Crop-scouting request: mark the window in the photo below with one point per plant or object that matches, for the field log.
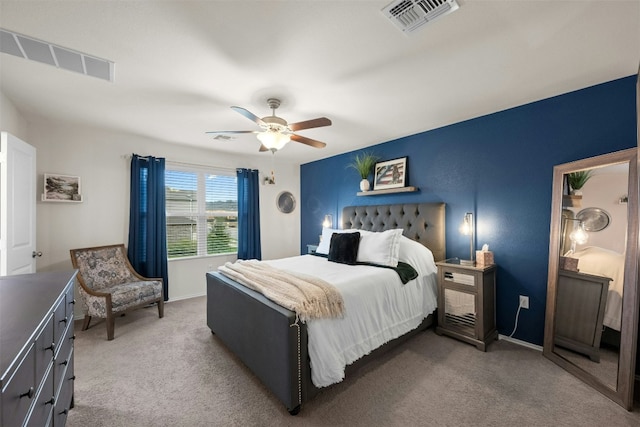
(202, 211)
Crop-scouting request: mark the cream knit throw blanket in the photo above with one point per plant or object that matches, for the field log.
(307, 296)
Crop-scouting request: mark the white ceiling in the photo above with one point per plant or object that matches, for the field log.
(180, 65)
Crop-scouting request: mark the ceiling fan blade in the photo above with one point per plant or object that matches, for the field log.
(308, 124)
(308, 141)
(249, 115)
(232, 131)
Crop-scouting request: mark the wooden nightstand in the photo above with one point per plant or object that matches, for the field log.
(311, 249)
(580, 302)
(466, 302)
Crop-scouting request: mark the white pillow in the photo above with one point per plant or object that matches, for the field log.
(417, 256)
(380, 248)
(325, 241)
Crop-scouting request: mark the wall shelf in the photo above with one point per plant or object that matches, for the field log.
(408, 189)
(571, 201)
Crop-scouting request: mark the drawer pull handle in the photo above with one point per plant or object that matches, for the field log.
(72, 337)
(72, 302)
(64, 412)
(73, 378)
(51, 401)
(65, 362)
(52, 347)
(28, 394)
(63, 320)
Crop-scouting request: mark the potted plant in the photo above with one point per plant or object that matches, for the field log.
(364, 164)
(577, 180)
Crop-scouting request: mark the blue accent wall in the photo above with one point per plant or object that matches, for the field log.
(500, 168)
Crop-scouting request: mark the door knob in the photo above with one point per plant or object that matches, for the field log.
(36, 254)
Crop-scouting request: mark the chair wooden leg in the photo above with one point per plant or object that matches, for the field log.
(85, 324)
(110, 326)
(161, 309)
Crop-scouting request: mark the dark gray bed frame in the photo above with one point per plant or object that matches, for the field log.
(266, 337)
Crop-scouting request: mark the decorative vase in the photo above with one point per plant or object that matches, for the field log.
(364, 185)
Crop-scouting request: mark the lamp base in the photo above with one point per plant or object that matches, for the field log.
(469, 262)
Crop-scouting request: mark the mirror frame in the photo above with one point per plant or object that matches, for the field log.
(623, 394)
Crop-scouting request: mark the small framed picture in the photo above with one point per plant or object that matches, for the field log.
(390, 174)
(61, 188)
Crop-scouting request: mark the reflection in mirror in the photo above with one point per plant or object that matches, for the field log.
(591, 300)
(589, 293)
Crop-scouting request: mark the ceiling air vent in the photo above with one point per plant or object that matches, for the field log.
(61, 57)
(409, 15)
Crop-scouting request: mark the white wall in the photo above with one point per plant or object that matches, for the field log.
(101, 159)
(11, 120)
(603, 190)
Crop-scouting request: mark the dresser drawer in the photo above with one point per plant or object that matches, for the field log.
(44, 349)
(18, 395)
(63, 359)
(61, 320)
(65, 394)
(43, 407)
(70, 300)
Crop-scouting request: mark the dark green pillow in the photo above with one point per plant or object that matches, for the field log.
(344, 247)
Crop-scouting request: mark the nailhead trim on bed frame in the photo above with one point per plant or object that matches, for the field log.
(299, 363)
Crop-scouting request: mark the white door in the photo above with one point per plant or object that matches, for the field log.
(17, 206)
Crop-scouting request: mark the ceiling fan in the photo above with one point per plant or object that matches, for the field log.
(276, 132)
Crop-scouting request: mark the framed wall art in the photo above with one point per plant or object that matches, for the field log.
(390, 174)
(61, 188)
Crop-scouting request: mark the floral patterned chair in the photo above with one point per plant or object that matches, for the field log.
(109, 285)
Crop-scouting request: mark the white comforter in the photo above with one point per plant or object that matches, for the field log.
(378, 308)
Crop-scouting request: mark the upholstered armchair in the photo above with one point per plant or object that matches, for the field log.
(110, 286)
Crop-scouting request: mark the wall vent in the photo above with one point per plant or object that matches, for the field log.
(61, 57)
(410, 15)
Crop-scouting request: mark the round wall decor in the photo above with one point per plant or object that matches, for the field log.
(594, 219)
(285, 202)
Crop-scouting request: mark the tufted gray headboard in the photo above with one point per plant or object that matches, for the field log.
(423, 222)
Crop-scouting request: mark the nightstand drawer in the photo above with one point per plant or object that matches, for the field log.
(460, 311)
(465, 279)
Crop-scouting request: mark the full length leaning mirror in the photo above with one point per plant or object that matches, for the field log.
(592, 308)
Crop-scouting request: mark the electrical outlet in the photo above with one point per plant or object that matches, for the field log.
(524, 301)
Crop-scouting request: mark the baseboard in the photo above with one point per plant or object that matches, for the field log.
(187, 297)
(81, 316)
(520, 342)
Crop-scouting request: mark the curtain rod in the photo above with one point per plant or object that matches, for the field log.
(201, 166)
(129, 156)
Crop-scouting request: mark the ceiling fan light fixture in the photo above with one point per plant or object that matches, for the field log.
(276, 132)
(273, 140)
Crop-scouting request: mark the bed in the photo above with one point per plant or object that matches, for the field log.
(275, 345)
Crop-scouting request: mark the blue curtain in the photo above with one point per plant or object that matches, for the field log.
(147, 249)
(248, 214)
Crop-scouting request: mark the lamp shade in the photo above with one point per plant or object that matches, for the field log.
(273, 140)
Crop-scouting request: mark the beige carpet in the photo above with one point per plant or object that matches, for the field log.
(174, 372)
